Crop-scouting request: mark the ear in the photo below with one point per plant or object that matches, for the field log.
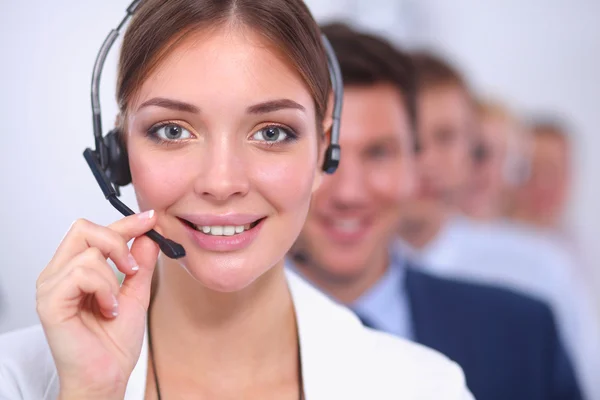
(119, 120)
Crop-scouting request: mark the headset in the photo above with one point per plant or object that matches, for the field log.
(109, 161)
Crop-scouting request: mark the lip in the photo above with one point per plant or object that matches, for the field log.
(345, 238)
(221, 220)
(224, 244)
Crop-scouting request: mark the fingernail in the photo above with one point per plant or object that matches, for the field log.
(146, 214)
(133, 263)
(115, 310)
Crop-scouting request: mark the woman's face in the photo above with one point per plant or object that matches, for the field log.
(223, 145)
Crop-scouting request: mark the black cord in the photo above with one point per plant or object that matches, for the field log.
(155, 373)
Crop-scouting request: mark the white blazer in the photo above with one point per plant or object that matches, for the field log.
(341, 359)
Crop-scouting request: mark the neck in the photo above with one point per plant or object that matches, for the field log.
(346, 289)
(535, 219)
(486, 213)
(419, 227)
(223, 341)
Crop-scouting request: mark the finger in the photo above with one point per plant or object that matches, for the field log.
(134, 225)
(90, 258)
(145, 252)
(64, 301)
(112, 241)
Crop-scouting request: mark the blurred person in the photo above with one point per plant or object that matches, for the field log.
(450, 244)
(542, 199)
(499, 162)
(506, 343)
(225, 126)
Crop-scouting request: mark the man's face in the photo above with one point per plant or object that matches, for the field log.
(487, 177)
(446, 119)
(355, 211)
(546, 193)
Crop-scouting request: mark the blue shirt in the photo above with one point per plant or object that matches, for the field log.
(385, 305)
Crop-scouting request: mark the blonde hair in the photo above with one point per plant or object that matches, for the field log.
(518, 139)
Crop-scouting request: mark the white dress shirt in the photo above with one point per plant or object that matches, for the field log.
(341, 359)
(521, 258)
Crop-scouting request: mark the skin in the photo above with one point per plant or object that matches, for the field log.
(446, 122)
(220, 163)
(487, 183)
(355, 211)
(543, 198)
(445, 131)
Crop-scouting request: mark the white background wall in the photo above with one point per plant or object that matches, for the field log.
(538, 54)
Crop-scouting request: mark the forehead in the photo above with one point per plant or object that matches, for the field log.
(495, 129)
(550, 146)
(444, 104)
(373, 112)
(222, 66)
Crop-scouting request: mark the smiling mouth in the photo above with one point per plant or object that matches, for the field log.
(222, 230)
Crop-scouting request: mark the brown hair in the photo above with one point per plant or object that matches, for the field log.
(550, 127)
(433, 71)
(366, 59)
(159, 25)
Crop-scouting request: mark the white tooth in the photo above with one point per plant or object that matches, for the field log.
(229, 230)
(206, 229)
(348, 224)
(246, 227)
(216, 230)
(239, 229)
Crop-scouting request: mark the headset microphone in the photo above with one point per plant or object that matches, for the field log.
(169, 247)
(109, 161)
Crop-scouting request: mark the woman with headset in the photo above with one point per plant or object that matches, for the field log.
(223, 132)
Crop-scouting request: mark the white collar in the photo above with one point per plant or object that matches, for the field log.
(320, 362)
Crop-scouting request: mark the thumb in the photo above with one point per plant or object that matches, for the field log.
(138, 285)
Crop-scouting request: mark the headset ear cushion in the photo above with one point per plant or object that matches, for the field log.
(118, 162)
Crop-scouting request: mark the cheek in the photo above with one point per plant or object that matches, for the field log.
(159, 180)
(287, 184)
(393, 184)
(458, 163)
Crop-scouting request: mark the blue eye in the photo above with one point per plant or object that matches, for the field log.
(273, 134)
(170, 132)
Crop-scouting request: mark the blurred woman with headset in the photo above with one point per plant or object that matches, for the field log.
(223, 131)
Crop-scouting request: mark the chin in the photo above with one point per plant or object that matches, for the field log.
(222, 273)
(344, 266)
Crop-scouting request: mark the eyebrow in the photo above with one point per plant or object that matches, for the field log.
(388, 141)
(171, 104)
(274, 105)
(260, 108)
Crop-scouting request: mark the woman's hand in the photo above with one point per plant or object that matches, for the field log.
(94, 327)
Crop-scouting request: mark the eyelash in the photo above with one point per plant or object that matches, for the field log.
(291, 135)
(151, 133)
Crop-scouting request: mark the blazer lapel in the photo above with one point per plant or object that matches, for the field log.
(435, 320)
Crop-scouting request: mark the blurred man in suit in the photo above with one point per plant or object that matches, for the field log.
(506, 343)
(500, 252)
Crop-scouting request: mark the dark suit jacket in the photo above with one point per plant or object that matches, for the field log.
(506, 343)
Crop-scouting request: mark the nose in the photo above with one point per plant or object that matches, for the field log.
(427, 161)
(349, 184)
(224, 171)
